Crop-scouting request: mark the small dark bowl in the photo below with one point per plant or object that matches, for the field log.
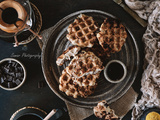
(24, 72)
(29, 111)
(147, 111)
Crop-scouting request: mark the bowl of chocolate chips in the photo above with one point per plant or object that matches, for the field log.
(12, 74)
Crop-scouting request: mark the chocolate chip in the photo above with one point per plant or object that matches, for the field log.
(9, 78)
(18, 75)
(9, 61)
(17, 82)
(12, 73)
(9, 84)
(2, 80)
(6, 69)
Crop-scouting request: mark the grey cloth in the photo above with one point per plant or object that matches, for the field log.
(149, 10)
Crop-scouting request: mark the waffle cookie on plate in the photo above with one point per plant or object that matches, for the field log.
(67, 54)
(82, 87)
(79, 77)
(81, 31)
(112, 35)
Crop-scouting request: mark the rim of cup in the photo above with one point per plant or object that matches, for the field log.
(106, 68)
(24, 70)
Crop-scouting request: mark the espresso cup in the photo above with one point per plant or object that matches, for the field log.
(29, 113)
(115, 71)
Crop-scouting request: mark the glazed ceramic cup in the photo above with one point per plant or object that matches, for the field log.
(106, 71)
(26, 113)
(24, 70)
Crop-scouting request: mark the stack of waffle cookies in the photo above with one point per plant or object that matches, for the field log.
(79, 78)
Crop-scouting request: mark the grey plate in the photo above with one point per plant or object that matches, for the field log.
(57, 43)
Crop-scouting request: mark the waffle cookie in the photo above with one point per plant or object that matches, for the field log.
(103, 111)
(66, 55)
(81, 31)
(112, 35)
(98, 51)
(83, 64)
(77, 87)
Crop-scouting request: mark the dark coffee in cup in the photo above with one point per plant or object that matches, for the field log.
(9, 15)
(115, 71)
(29, 117)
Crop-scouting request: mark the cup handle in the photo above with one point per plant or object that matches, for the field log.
(16, 41)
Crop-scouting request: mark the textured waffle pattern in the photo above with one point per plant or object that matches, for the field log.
(77, 87)
(112, 35)
(83, 64)
(98, 51)
(102, 110)
(81, 31)
(66, 55)
(79, 77)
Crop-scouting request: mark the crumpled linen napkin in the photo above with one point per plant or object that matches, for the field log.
(150, 11)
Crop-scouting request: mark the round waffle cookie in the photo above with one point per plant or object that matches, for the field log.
(82, 87)
(81, 31)
(112, 35)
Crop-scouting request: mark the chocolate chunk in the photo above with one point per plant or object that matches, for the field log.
(9, 61)
(17, 82)
(20, 68)
(9, 78)
(9, 84)
(6, 69)
(13, 64)
(12, 74)
(2, 80)
(18, 75)
(8, 66)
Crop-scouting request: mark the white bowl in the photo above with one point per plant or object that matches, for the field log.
(106, 68)
(24, 78)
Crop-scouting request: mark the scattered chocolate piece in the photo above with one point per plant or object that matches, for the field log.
(11, 74)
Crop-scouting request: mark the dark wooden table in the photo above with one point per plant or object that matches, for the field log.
(52, 11)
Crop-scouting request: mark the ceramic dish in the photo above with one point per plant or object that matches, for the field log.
(58, 42)
(27, 112)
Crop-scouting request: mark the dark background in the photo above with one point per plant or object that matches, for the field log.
(52, 11)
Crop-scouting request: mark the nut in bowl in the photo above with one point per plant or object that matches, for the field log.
(12, 74)
(115, 71)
